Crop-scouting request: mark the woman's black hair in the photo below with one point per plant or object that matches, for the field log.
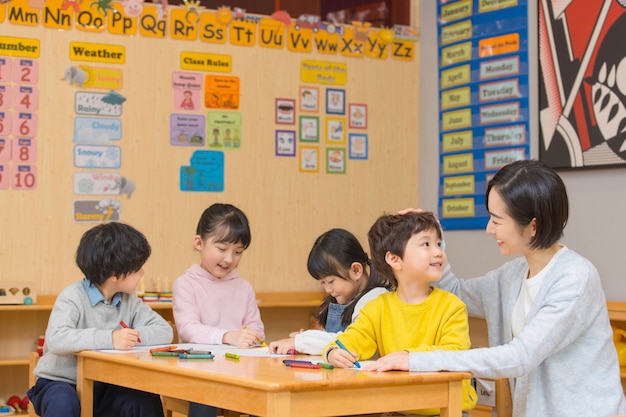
(332, 255)
(532, 190)
(225, 223)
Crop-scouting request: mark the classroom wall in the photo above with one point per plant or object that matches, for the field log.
(596, 226)
(287, 209)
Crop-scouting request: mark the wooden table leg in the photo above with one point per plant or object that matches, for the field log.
(85, 390)
(455, 401)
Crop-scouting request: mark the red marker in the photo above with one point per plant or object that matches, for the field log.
(124, 325)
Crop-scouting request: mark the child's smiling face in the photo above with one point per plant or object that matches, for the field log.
(218, 258)
(424, 257)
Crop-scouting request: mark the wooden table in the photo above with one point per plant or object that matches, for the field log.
(263, 386)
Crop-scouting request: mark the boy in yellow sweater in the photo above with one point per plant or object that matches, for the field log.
(407, 250)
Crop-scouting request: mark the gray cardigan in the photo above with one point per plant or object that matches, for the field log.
(563, 363)
(76, 325)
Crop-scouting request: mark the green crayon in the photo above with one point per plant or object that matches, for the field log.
(165, 354)
(192, 356)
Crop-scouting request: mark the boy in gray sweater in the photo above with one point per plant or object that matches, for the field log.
(87, 315)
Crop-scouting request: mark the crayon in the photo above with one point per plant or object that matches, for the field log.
(261, 341)
(163, 349)
(192, 356)
(356, 363)
(176, 354)
(197, 352)
(231, 355)
(124, 325)
(290, 362)
(306, 365)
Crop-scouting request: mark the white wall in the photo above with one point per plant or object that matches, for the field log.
(597, 223)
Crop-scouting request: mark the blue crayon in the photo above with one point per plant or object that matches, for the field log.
(356, 363)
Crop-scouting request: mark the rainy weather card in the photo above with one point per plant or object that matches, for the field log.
(187, 129)
(98, 104)
(205, 173)
(187, 91)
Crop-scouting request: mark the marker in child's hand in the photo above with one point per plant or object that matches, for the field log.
(341, 345)
(124, 325)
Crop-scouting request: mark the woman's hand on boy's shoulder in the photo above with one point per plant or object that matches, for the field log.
(396, 361)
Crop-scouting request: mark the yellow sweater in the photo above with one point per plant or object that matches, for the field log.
(387, 324)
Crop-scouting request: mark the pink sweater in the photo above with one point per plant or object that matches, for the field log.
(206, 307)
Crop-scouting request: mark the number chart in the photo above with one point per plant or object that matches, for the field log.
(19, 102)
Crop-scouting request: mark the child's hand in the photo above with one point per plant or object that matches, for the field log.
(398, 361)
(124, 339)
(341, 358)
(282, 346)
(293, 334)
(243, 337)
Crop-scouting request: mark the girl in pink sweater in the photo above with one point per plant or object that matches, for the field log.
(211, 303)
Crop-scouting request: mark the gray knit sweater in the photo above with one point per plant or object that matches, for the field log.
(76, 325)
(563, 363)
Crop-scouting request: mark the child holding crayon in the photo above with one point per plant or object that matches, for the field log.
(212, 304)
(407, 250)
(338, 261)
(91, 314)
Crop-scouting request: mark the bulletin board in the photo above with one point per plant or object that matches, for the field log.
(124, 111)
(484, 106)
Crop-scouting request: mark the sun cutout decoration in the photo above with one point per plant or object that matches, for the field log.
(192, 15)
(224, 15)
